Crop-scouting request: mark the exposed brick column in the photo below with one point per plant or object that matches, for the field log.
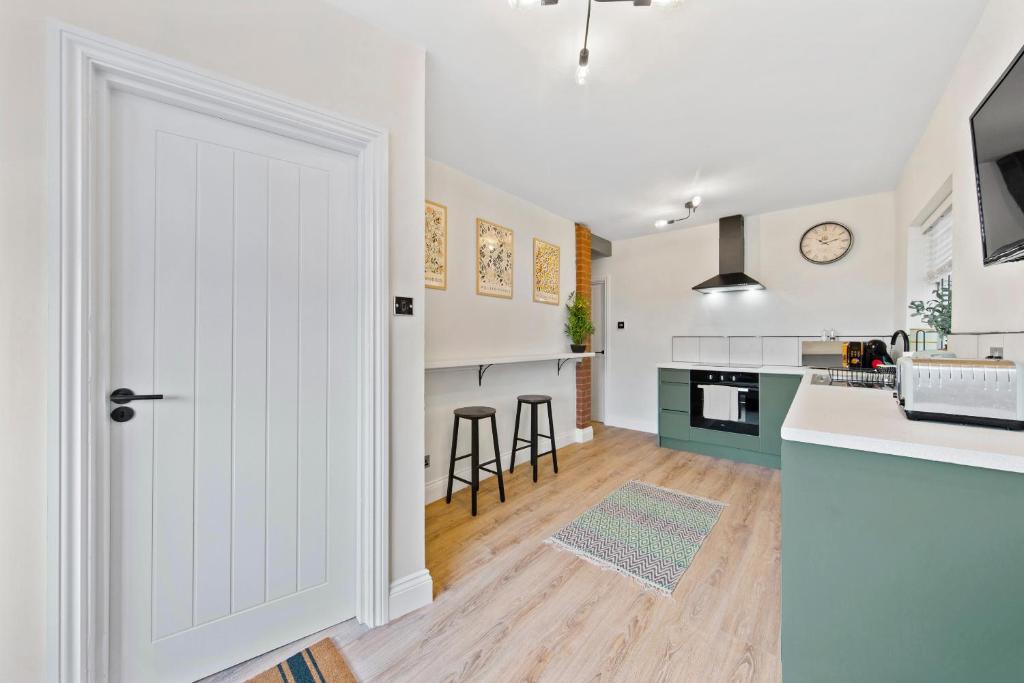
(583, 289)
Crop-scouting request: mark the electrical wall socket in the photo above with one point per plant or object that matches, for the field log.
(426, 460)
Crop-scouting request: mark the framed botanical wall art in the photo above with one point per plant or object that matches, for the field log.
(435, 252)
(547, 264)
(494, 259)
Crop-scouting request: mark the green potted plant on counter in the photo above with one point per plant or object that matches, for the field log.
(937, 312)
(578, 326)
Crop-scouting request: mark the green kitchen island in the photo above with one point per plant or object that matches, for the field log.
(902, 544)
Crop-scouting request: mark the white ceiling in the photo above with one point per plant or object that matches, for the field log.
(757, 105)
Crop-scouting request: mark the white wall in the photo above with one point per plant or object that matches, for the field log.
(303, 49)
(984, 299)
(463, 324)
(650, 280)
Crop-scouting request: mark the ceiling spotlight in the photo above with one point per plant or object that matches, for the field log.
(691, 208)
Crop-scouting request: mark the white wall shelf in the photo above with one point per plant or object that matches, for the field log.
(483, 364)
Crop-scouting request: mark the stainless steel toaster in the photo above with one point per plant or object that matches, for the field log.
(981, 392)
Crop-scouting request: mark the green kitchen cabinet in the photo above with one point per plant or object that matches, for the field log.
(777, 393)
(675, 396)
(674, 425)
(747, 442)
(673, 407)
(674, 430)
(899, 569)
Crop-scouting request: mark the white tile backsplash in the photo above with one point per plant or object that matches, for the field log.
(745, 351)
(1014, 349)
(987, 341)
(714, 350)
(686, 349)
(756, 351)
(780, 350)
(963, 345)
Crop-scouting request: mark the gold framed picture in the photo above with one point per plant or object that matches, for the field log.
(435, 248)
(494, 259)
(547, 265)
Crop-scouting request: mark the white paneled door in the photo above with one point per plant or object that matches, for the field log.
(232, 285)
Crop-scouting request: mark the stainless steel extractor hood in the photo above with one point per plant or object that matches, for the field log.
(731, 277)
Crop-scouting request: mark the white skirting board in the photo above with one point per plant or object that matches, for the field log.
(410, 593)
(437, 488)
(584, 435)
(649, 426)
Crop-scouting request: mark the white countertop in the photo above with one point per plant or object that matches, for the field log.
(760, 369)
(500, 360)
(871, 420)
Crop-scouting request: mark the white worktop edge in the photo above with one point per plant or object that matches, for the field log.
(759, 369)
(817, 408)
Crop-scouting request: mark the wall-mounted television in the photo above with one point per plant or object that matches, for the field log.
(997, 127)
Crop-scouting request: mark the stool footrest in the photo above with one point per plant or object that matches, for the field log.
(548, 453)
(463, 457)
(528, 443)
(464, 481)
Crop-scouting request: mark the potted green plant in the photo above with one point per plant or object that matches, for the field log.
(578, 325)
(937, 312)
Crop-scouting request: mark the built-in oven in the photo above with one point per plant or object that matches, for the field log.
(726, 401)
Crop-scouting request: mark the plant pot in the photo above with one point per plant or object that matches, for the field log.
(578, 348)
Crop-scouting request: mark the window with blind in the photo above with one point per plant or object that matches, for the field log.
(929, 259)
(939, 247)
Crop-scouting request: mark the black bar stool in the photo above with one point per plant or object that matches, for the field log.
(474, 414)
(534, 400)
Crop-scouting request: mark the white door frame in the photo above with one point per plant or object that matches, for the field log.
(85, 70)
(604, 280)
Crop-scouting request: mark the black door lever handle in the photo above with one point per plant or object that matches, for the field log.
(122, 396)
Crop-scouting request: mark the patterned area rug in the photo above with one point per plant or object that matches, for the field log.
(319, 663)
(644, 531)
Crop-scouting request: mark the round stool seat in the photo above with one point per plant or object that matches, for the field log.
(475, 412)
(534, 398)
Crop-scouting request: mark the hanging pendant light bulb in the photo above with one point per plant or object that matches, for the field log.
(583, 67)
(583, 70)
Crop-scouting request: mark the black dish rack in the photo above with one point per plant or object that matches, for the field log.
(882, 376)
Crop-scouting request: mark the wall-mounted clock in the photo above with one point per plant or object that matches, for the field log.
(826, 243)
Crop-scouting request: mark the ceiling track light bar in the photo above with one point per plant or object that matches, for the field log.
(691, 208)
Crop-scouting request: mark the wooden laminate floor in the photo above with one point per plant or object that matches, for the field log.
(509, 607)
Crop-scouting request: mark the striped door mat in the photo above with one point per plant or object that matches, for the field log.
(319, 663)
